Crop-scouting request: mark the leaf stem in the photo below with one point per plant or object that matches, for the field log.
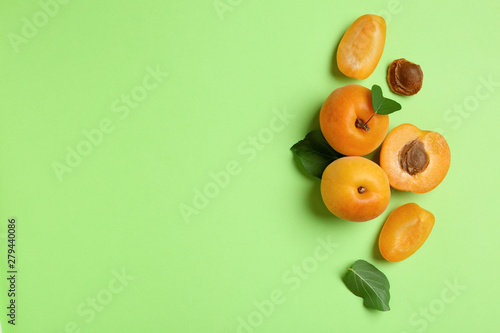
(370, 118)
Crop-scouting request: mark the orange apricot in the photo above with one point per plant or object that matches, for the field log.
(342, 115)
(355, 188)
(361, 47)
(405, 231)
(415, 160)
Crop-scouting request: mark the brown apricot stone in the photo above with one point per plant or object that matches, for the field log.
(405, 77)
(414, 160)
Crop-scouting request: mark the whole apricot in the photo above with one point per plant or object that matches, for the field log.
(361, 47)
(355, 188)
(415, 160)
(342, 117)
(405, 231)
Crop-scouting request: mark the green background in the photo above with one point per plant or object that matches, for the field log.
(258, 238)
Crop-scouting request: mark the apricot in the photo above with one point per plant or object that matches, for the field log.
(405, 231)
(342, 117)
(361, 47)
(355, 188)
(415, 160)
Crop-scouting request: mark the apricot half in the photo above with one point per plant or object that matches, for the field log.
(355, 188)
(405, 231)
(415, 160)
(361, 47)
(340, 119)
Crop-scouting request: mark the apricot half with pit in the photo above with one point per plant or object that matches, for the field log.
(355, 188)
(415, 160)
(349, 123)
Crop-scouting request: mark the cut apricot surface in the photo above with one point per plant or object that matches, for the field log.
(405, 231)
(355, 188)
(415, 160)
(361, 47)
(339, 117)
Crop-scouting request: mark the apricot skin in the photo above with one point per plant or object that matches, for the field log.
(405, 231)
(355, 189)
(338, 118)
(361, 47)
(438, 159)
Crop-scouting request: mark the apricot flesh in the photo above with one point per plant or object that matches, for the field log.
(361, 47)
(339, 115)
(415, 160)
(405, 231)
(355, 188)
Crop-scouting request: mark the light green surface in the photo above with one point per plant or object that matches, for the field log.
(119, 209)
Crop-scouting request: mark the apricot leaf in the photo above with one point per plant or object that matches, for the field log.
(315, 153)
(365, 280)
(382, 105)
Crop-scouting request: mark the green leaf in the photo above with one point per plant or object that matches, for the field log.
(365, 280)
(382, 105)
(315, 153)
(377, 98)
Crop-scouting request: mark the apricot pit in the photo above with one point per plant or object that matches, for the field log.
(413, 158)
(405, 77)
